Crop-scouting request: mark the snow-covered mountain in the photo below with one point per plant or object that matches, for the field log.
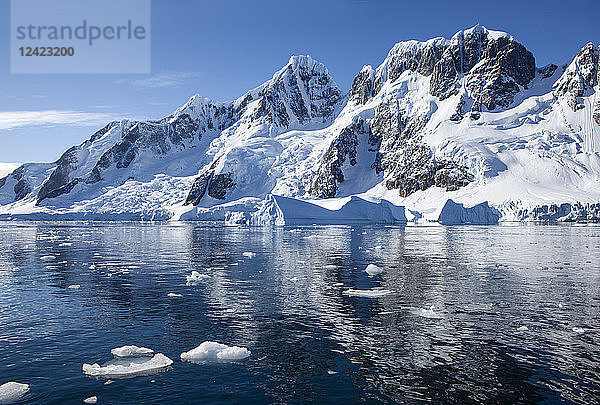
(470, 118)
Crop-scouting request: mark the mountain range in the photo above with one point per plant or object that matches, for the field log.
(470, 118)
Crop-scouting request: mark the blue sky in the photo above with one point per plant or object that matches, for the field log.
(220, 49)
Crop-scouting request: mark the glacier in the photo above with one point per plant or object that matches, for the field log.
(460, 130)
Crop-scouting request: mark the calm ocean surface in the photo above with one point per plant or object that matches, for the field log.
(500, 314)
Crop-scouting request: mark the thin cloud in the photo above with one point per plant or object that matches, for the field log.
(19, 119)
(164, 80)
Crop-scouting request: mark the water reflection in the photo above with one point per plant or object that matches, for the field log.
(476, 314)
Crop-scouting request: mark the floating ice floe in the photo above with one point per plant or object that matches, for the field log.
(373, 270)
(74, 287)
(91, 400)
(12, 392)
(331, 372)
(579, 331)
(249, 255)
(128, 367)
(195, 278)
(522, 328)
(131, 351)
(367, 293)
(427, 313)
(47, 258)
(215, 351)
(174, 295)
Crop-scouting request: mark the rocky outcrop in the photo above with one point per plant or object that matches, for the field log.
(494, 65)
(329, 174)
(22, 188)
(199, 188)
(409, 164)
(219, 185)
(301, 92)
(215, 185)
(363, 85)
(580, 76)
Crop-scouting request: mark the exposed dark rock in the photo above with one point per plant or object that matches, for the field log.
(580, 76)
(363, 85)
(219, 185)
(547, 71)
(343, 148)
(285, 92)
(408, 163)
(22, 188)
(3, 181)
(494, 68)
(56, 184)
(199, 188)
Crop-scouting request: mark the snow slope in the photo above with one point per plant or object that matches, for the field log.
(468, 119)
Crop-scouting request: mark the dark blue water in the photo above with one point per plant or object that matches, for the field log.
(310, 342)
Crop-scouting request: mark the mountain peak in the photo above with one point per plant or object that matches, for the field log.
(481, 31)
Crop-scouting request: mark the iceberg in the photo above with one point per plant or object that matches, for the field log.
(427, 313)
(453, 213)
(91, 400)
(215, 351)
(373, 270)
(174, 295)
(74, 287)
(249, 255)
(128, 367)
(278, 210)
(367, 293)
(131, 351)
(12, 392)
(195, 278)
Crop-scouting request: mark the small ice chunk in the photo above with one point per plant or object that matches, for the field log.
(373, 270)
(92, 266)
(378, 247)
(128, 367)
(174, 295)
(522, 328)
(367, 293)
(215, 351)
(578, 330)
(249, 255)
(233, 353)
(74, 287)
(47, 258)
(12, 391)
(294, 279)
(427, 313)
(331, 372)
(195, 278)
(91, 400)
(131, 351)
(108, 382)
